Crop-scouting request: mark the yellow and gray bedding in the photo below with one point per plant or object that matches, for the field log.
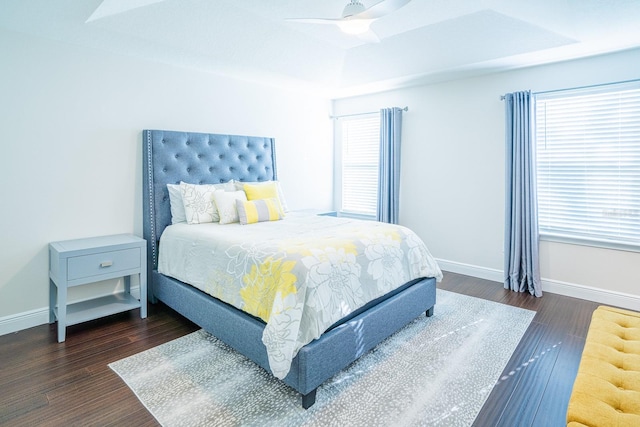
(300, 275)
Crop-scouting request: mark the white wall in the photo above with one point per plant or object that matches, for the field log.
(71, 160)
(452, 183)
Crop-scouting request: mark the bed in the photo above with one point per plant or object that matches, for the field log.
(171, 157)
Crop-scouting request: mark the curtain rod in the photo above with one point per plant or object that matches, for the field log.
(362, 114)
(579, 87)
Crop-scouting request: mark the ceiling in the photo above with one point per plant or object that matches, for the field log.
(424, 41)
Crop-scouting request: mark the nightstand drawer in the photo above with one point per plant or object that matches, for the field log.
(102, 263)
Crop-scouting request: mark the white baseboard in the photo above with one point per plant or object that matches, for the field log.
(29, 319)
(601, 296)
(25, 320)
(471, 270)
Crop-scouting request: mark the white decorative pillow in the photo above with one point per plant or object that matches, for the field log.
(198, 203)
(178, 213)
(226, 204)
(240, 186)
(177, 207)
(259, 210)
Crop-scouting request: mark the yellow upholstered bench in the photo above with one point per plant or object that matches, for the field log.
(606, 391)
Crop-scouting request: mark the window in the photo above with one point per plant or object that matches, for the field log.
(360, 141)
(588, 165)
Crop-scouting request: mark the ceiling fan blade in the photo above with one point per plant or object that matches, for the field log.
(381, 9)
(314, 20)
(358, 24)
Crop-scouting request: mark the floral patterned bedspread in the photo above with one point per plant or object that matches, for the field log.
(300, 275)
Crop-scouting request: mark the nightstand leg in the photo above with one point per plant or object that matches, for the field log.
(143, 293)
(62, 313)
(53, 297)
(127, 285)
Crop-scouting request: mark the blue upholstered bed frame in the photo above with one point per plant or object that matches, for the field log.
(170, 157)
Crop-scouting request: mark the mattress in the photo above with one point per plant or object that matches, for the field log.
(299, 275)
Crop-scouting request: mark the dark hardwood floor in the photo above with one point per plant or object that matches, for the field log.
(44, 382)
(536, 384)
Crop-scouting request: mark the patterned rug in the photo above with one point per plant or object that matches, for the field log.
(436, 371)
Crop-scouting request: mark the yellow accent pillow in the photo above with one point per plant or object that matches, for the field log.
(267, 190)
(260, 210)
(261, 191)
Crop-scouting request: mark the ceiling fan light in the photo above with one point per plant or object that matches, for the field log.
(355, 26)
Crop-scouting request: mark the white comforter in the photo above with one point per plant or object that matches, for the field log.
(300, 275)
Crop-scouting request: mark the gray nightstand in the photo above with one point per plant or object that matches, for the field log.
(82, 261)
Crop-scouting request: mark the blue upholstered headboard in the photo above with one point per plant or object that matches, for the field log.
(198, 158)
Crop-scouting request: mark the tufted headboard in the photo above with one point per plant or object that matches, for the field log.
(198, 158)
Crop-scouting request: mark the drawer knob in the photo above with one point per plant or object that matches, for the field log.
(106, 264)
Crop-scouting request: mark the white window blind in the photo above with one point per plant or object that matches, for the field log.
(588, 164)
(360, 158)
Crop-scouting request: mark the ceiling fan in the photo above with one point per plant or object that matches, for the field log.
(356, 18)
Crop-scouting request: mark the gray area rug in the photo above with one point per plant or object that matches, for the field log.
(436, 371)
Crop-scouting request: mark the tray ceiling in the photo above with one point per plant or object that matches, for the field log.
(425, 41)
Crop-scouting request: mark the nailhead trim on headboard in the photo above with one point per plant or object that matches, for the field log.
(151, 210)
